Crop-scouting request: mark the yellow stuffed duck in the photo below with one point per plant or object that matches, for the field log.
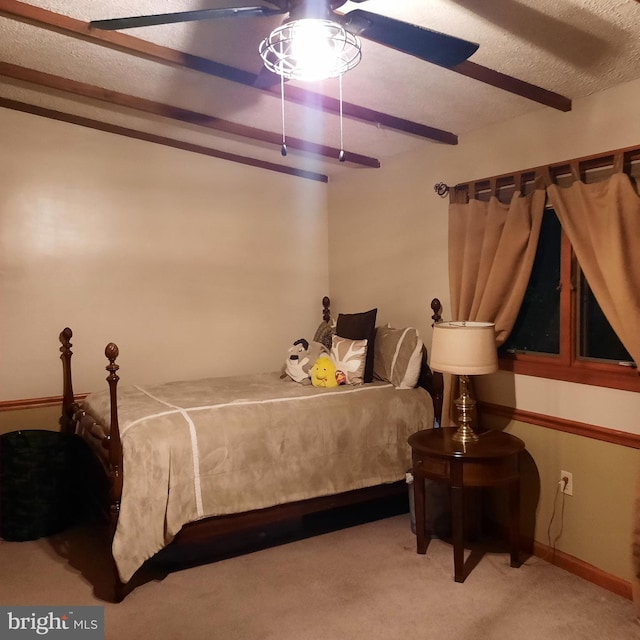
(323, 373)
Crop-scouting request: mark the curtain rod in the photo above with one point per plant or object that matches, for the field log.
(627, 156)
(441, 189)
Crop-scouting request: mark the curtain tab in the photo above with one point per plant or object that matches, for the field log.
(493, 187)
(618, 162)
(517, 183)
(575, 172)
(459, 194)
(543, 178)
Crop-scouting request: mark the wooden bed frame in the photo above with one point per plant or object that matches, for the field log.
(75, 421)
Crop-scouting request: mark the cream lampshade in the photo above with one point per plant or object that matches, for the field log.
(464, 349)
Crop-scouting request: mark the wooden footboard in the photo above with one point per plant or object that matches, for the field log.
(107, 445)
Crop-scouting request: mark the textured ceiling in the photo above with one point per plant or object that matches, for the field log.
(571, 48)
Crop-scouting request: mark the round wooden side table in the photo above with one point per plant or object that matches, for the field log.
(492, 461)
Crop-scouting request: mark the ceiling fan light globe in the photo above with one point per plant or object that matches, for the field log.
(310, 49)
(313, 48)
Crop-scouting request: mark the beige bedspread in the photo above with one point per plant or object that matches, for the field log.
(227, 445)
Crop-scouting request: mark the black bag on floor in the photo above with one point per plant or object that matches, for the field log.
(38, 483)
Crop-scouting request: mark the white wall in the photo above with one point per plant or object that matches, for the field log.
(388, 249)
(194, 266)
(388, 242)
(388, 232)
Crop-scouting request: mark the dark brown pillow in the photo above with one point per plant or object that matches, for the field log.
(360, 326)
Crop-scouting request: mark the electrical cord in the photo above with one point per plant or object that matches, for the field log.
(560, 488)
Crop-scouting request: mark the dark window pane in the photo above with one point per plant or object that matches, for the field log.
(597, 338)
(537, 328)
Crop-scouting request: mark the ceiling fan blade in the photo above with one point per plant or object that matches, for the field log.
(432, 46)
(182, 16)
(266, 79)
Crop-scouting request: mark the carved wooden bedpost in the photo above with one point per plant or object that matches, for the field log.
(67, 421)
(326, 311)
(114, 445)
(436, 307)
(438, 378)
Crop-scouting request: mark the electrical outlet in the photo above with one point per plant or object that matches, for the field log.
(566, 482)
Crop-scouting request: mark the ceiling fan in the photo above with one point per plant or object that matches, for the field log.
(432, 46)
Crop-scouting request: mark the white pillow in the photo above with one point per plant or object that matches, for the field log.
(398, 356)
(349, 357)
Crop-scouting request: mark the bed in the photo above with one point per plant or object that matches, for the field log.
(198, 459)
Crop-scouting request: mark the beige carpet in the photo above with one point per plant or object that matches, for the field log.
(364, 582)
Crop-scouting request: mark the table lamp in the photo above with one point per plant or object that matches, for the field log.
(464, 349)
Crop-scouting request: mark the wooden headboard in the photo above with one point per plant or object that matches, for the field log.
(432, 381)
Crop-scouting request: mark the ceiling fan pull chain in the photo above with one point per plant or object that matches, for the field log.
(283, 149)
(341, 156)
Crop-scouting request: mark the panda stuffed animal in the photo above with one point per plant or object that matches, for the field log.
(301, 356)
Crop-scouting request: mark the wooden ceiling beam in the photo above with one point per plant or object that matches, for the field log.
(61, 116)
(71, 27)
(66, 85)
(325, 103)
(513, 85)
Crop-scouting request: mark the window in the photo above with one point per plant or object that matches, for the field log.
(597, 340)
(561, 332)
(537, 329)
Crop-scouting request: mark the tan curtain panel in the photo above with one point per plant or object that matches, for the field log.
(492, 247)
(491, 251)
(602, 221)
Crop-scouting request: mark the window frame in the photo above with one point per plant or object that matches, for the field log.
(567, 366)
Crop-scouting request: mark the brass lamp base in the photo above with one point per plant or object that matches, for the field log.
(464, 435)
(465, 404)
